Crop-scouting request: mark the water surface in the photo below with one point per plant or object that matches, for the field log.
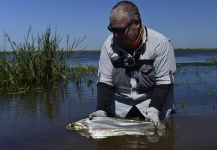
(38, 120)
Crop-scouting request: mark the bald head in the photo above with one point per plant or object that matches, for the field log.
(124, 8)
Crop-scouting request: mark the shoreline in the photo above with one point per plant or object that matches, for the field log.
(98, 51)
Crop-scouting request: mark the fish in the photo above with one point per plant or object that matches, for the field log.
(104, 127)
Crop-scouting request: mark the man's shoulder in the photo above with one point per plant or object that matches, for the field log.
(109, 40)
(107, 48)
(110, 46)
(155, 35)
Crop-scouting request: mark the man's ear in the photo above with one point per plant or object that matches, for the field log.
(138, 22)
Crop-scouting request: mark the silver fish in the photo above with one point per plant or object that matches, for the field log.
(103, 127)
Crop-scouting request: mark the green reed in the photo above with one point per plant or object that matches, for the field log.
(37, 61)
(212, 60)
(83, 73)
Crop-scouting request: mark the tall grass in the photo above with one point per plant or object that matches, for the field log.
(38, 60)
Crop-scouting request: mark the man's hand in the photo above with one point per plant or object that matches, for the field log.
(152, 115)
(98, 113)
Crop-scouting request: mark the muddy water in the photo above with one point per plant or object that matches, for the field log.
(38, 120)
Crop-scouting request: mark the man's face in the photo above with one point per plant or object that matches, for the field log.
(124, 30)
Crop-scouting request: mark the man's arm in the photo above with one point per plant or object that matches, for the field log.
(105, 88)
(165, 67)
(159, 96)
(104, 95)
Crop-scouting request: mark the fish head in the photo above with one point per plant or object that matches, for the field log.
(76, 126)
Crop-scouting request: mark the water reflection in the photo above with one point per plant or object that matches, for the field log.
(48, 102)
(165, 142)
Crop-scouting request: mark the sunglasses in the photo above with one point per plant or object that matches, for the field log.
(119, 30)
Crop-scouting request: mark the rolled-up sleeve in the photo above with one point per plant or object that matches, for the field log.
(164, 64)
(105, 64)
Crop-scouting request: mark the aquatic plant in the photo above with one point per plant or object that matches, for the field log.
(182, 105)
(38, 61)
(211, 92)
(83, 73)
(211, 60)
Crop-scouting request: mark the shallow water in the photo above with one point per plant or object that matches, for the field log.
(38, 120)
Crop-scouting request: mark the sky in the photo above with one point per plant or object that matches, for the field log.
(187, 23)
